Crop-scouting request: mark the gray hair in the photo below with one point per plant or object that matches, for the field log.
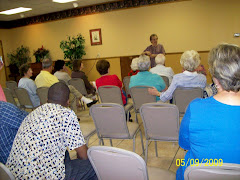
(160, 59)
(143, 63)
(190, 60)
(46, 63)
(134, 64)
(224, 63)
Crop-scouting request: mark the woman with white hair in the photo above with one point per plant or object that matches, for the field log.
(145, 78)
(190, 60)
(134, 67)
(161, 69)
(210, 128)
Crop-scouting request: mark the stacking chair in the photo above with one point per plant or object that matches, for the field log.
(88, 129)
(126, 81)
(9, 96)
(183, 96)
(119, 164)
(43, 94)
(78, 83)
(112, 94)
(23, 98)
(62, 81)
(166, 80)
(5, 174)
(140, 96)
(211, 172)
(12, 85)
(110, 123)
(161, 123)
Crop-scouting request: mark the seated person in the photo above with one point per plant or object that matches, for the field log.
(61, 71)
(161, 69)
(39, 150)
(145, 78)
(134, 67)
(189, 78)
(11, 118)
(78, 73)
(106, 79)
(2, 95)
(210, 128)
(28, 84)
(46, 79)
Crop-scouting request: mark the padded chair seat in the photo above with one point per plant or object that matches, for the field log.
(160, 174)
(128, 107)
(132, 128)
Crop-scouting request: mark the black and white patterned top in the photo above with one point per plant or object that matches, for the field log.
(39, 147)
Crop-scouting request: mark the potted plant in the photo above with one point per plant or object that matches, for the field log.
(73, 48)
(40, 54)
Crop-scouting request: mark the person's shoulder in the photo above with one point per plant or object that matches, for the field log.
(200, 102)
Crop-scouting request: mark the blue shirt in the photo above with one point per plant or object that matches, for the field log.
(185, 79)
(146, 78)
(11, 118)
(210, 130)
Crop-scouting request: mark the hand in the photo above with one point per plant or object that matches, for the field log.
(1, 65)
(153, 91)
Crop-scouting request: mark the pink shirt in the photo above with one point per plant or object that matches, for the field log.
(2, 95)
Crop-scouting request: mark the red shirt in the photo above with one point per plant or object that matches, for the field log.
(111, 80)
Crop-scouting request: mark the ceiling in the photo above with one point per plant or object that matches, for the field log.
(40, 7)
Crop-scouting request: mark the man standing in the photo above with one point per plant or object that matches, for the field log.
(39, 148)
(11, 118)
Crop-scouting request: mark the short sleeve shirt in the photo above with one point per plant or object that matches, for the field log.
(45, 79)
(39, 147)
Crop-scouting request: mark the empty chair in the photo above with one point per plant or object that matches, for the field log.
(126, 81)
(12, 85)
(43, 94)
(112, 94)
(88, 129)
(23, 98)
(119, 164)
(183, 96)
(78, 83)
(166, 80)
(140, 96)
(161, 123)
(226, 171)
(9, 96)
(5, 174)
(110, 123)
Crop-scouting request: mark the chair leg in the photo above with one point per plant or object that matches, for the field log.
(142, 141)
(134, 143)
(136, 119)
(111, 142)
(146, 152)
(102, 142)
(99, 142)
(87, 141)
(128, 116)
(156, 149)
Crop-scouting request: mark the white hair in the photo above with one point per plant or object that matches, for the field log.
(143, 63)
(190, 60)
(134, 64)
(160, 59)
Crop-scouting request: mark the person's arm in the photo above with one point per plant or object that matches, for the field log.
(82, 152)
(1, 65)
(87, 83)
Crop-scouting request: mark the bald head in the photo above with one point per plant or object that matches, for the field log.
(58, 93)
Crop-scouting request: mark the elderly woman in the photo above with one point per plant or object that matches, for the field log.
(61, 71)
(189, 78)
(210, 128)
(134, 67)
(78, 73)
(2, 95)
(145, 78)
(28, 84)
(161, 69)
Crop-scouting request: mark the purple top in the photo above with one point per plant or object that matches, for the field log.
(159, 49)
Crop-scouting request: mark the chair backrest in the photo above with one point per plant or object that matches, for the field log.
(43, 94)
(110, 94)
(118, 164)
(141, 96)
(23, 98)
(183, 96)
(211, 172)
(12, 85)
(126, 81)
(110, 120)
(60, 80)
(166, 80)
(9, 96)
(5, 174)
(161, 121)
(79, 84)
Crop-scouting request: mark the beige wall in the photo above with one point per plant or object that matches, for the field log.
(184, 25)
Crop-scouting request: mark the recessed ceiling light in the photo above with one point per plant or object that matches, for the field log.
(15, 11)
(63, 1)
